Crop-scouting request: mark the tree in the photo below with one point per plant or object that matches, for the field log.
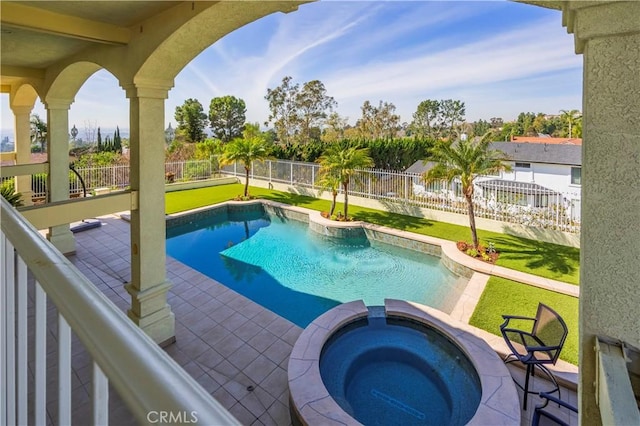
(283, 109)
(465, 160)
(425, 120)
(298, 114)
(38, 131)
(335, 128)
(344, 163)
(227, 117)
(453, 113)
(191, 120)
(100, 147)
(327, 180)
(313, 103)
(246, 150)
(378, 122)
(571, 119)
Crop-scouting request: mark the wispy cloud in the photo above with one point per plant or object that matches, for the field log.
(501, 58)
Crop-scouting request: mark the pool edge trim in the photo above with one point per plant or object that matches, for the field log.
(310, 402)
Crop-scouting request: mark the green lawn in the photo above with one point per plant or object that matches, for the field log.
(507, 297)
(535, 257)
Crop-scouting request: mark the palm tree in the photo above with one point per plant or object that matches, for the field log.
(38, 131)
(329, 181)
(246, 151)
(572, 117)
(343, 164)
(465, 160)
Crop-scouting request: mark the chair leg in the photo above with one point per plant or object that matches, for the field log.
(526, 386)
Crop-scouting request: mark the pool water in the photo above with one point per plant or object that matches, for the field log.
(385, 371)
(300, 274)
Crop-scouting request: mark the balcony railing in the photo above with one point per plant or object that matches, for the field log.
(145, 377)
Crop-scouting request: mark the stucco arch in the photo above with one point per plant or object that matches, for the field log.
(200, 31)
(65, 85)
(23, 95)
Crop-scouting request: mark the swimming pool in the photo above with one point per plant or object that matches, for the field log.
(299, 274)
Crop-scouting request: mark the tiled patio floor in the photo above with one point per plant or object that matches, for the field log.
(228, 343)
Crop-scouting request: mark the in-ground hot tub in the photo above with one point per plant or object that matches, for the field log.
(403, 363)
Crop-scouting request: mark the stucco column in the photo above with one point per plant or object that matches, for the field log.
(148, 287)
(22, 115)
(608, 35)
(58, 178)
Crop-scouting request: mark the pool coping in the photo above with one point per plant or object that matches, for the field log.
(566, 373)
(310, 402)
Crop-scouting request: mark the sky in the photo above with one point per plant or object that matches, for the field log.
(499, 57)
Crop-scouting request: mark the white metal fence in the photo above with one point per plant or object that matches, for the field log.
(507, 201)
(117, 177)
(144, 376)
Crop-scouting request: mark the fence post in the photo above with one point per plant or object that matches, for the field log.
(270, 177)
(313, 176)
(291, 173)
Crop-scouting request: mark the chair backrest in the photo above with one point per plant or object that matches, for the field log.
(551, 329)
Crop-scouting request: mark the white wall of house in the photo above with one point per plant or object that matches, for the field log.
(553, 176)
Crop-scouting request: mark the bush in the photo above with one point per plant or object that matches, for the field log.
(7, 190)
(462, 246)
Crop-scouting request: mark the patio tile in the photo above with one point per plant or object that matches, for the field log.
(215, 334)
(229, 345)
(243, 356)
(224, 372)
(263, 340)
(234, 321)
(247, 330)
(243, 415)
(276, 382)
(224, 397)
(209, 359)
(278, 326)
(259, 369)
(208, 383)
(253, 404)
(279, 413)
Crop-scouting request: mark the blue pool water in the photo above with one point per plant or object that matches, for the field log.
(300, 274)
(385, 371)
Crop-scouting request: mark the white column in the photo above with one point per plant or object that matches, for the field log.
(22, 131)
(58, 180)
(148, 287)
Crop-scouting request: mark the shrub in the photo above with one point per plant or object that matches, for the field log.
(472, 252)
(7, 190)
(462, 246)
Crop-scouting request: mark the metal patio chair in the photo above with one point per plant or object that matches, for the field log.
(543, 416)
(536, 345)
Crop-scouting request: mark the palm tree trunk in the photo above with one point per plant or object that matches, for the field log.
(333, 202)
(346, 200)
(246, 184)
(472, 222)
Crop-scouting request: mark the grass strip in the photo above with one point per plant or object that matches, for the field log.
(506, 297)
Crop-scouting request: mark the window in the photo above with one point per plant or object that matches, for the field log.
(576, 176)
(523, 165)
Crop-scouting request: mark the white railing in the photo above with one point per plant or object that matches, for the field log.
(117, 177)
(145, 377)
(506, 201)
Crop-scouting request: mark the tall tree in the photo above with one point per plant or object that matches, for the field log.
(335, 127)
(378, 122)
(227, 117)
(100, 147)
(453, 112)
(465, 160)
(425, 120)
(313, 103)
(191, 120)
(343, 164)
(38, 131)
(283, 109)
(246, 150)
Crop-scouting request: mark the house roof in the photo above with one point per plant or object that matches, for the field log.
(522, 187)
(570, 155)
(547, 140)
